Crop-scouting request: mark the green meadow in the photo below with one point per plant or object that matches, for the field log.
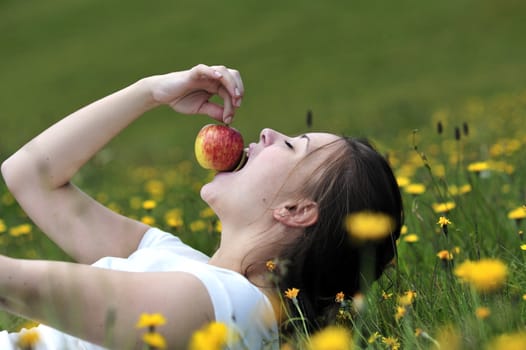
(437, 86)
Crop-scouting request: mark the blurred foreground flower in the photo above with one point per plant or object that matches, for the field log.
(509, 341)
(154, 340)
(449, 338)
(150, 320)
(369, 225)
(485, 275)
(28, 339)
(331, 338)
(214, 336)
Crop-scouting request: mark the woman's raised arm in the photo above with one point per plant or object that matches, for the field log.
(39, 174)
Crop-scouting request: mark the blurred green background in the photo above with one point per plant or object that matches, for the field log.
(374, 68)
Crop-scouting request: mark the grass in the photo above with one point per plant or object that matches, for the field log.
(375, 68)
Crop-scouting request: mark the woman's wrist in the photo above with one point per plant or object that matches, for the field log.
(144, 87)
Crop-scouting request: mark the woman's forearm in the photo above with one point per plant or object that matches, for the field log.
(54, 156)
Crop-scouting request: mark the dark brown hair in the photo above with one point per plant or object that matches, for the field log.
(325, 261)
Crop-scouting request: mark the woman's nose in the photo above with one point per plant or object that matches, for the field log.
(269, 136)
(266, 136)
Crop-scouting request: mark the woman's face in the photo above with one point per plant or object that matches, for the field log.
(270, 177)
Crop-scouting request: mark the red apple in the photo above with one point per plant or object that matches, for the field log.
(219, 147)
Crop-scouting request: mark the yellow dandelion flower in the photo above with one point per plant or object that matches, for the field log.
(135, 202)
(28, 338)
(174, 222)
(508, 341)
(174, 218)
(517, 213)
(155, 340)
(292, 293)
(400, 312)
(415, 188)
(198, 225)
(149, 204)
(523, 246)
(478, 167)
(402, 181)
(213, 336)
(20, 230)
(218, 226)
(443, 221)
(443, 207)
(271, 265)
(392, 343)
(148, 220)
(155, 188)
(457, 190)
(386, 295)
(3, 227)
(374, 337)
(445, 255)
(340, 297)
(150, 320)
(407, 298)
(411, 238)
(403, 230)
(482, 312)
(524, 297)
(331, 338)
(369, 225)
(207, 213)
(449, 338)
(503, 167)
(485, 275)
(115, 207)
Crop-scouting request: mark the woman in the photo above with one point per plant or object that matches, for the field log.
(287, 204)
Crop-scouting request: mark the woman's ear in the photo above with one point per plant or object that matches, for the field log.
(300, 214)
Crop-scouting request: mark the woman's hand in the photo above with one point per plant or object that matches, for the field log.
(189, 91)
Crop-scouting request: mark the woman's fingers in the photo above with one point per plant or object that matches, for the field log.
(228, 107)
(221, 81)
(231, 80)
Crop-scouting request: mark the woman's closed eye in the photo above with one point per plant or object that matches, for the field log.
(289, 145)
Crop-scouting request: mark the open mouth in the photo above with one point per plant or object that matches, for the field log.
(242, 161)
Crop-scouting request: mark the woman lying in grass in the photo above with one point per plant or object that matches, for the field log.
(288, 204)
